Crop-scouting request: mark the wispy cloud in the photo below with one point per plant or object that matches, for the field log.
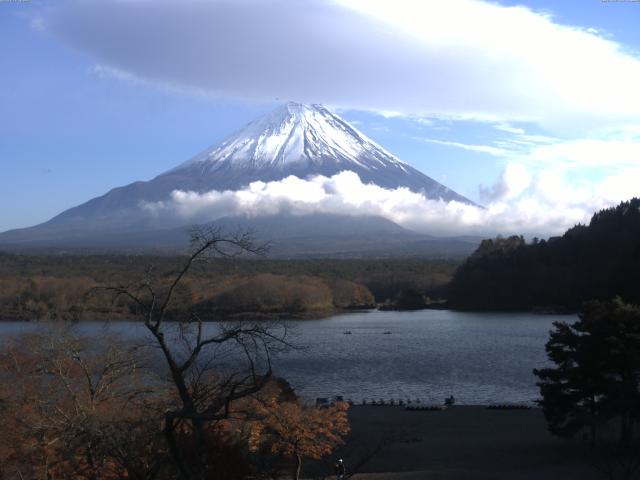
(491, 150)
(611, 153)
(604, 152)
(505, 127)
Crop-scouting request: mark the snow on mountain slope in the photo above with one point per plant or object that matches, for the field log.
(296, 134)
(304, 141)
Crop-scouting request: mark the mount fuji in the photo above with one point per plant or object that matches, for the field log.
(293, 140)
(302, 140)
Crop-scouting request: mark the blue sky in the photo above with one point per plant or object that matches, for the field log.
(533, 111)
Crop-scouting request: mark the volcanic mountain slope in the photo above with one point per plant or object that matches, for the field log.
(294, 139)
(302, 140)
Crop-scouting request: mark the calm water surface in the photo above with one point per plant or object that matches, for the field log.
(480, 358)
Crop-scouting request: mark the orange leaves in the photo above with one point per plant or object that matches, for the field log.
(80, 412)
(72, 413)
(296, 429)
(195, 298)
(300, 431)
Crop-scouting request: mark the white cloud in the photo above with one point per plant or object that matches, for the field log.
(514, 181)
(103, 71)
(522, 203)
(621, 185)
(505, 127)
(583, 153)
(498, 152)
(606, 152)
(458, 58)
(37, 23)
(594, 172)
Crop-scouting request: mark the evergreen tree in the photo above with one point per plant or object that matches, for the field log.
(597, 372)
(594, 262)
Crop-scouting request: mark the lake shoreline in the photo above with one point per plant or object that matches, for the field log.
(536, 310)
(259, 316)
(293, 316)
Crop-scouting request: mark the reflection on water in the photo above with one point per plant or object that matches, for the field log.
(479, 358)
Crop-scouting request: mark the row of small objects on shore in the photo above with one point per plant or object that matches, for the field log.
(415, 405)
(411, 404)
(326, 401)
(426, 408)
(509, 406)
(393, 403)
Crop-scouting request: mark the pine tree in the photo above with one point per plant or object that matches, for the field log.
(597, 372)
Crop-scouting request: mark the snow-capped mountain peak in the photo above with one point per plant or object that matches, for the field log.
(301, 140)
(295, 134)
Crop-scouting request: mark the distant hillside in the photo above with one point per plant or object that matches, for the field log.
(598, 261)
(289, 236)
(48, 287)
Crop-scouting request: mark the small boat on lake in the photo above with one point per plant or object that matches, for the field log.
(347, 332)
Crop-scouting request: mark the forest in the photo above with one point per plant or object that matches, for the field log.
(598, 261)
(63, 286)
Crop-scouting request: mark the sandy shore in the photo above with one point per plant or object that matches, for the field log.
(463, 442)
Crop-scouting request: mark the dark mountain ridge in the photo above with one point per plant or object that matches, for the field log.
(288, 236)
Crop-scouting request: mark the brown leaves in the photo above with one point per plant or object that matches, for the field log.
(296, 429)
(73, 412)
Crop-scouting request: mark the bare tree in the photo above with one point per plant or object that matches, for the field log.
(71, 407)
(204, 384)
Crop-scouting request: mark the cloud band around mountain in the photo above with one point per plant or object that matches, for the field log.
(520, 204)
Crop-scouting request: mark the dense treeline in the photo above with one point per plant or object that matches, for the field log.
(595, 261)
(56, 286)
(384, 278)
(268, 293)
(263, 295)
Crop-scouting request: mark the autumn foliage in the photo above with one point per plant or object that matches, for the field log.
(54, 287)
(70, 409)
(302, 431)
(71, 412)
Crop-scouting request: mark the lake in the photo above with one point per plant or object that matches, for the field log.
(480, 358)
